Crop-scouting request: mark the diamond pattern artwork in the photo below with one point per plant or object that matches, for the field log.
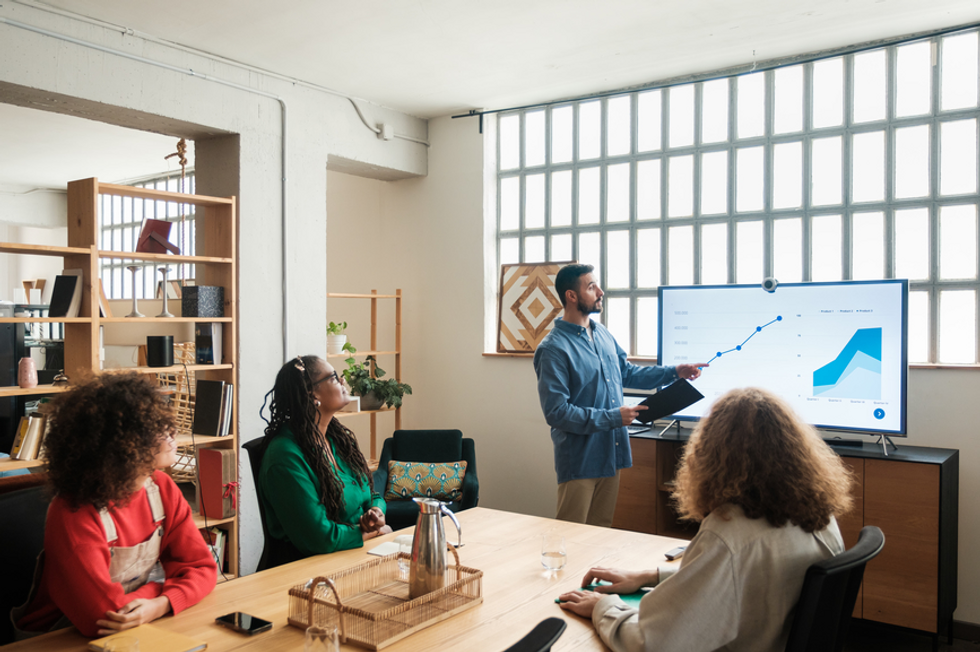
(529, 305)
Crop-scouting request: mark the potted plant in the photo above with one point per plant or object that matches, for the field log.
(374, 390)
(336, 339)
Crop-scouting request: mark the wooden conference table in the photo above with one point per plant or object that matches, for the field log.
(517, 592)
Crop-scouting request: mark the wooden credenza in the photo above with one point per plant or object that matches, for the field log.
(912, 495)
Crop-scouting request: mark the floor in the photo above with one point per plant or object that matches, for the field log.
(870, 637)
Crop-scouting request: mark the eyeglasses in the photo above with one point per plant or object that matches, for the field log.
(333, 376)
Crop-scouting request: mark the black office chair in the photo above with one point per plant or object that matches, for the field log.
(830, 590)
(256, 450)
(431, 446)
(23, 514)
(541, 638)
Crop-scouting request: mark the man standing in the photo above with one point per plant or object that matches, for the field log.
(581, 374)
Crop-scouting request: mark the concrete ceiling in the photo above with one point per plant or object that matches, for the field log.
(433, 58)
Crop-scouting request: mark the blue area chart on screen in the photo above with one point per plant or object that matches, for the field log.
(837, 352)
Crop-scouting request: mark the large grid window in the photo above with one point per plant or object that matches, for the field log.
(862, 166)
(120, 223)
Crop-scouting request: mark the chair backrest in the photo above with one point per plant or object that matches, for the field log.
(830, 590)
(256, 451)
(23, 514)
(427, 445)
(541, 638)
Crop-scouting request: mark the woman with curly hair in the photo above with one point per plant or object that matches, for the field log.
(314, 484)
(765, 489)
(120, 545)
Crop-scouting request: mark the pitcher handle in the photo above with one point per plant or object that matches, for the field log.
(448, 512)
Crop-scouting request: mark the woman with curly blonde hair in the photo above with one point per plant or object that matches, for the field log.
(765, 489)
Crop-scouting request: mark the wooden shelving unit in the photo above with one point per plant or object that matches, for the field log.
(216, 222)
(374, 297)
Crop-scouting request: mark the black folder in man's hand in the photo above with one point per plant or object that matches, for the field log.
(669, 400)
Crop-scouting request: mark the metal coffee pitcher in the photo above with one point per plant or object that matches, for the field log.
(428, 569)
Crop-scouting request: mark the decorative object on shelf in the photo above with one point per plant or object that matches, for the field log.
(60, 379)
(134, 312)
(164, 313)
(207, 341)
(202, 301)
(155, 238)
(528, 305)
(336, 338)
(368, 385)
(159, 350)
(216, 469)
(26, 373)
(66, 296)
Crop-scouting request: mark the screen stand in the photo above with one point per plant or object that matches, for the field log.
(675, 421)
(884, 441)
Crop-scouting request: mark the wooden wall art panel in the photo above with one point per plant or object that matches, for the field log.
(528, 306)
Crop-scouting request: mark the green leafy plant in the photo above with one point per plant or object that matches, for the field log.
(334, 328)
(358, 378)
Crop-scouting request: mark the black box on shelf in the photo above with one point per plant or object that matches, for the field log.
(202, 301)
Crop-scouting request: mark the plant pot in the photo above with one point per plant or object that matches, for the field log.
(335, 343)
(371, 402)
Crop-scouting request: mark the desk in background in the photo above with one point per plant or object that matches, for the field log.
(517, 592)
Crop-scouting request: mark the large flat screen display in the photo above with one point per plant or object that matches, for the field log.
(837, 352)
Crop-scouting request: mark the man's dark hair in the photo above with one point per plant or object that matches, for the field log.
(567, 278)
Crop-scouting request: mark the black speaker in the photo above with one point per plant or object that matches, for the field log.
(160, 350)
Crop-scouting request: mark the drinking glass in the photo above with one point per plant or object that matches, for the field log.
(553, 555)
(321, 639)
(404, 543)
(123, 644)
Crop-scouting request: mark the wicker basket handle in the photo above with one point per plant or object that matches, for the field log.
(317, 581)
(452, 549)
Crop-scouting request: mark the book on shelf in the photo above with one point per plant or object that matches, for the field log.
(152, 639)
(207, 342)
(227, 394)
(208, 401)
(217, 487)
(104, 309)
(33, 435)
(19, 439)
(174, 290)
(215, 537)
(66, 295)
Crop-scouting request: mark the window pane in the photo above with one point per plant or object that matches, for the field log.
(561, 247)
(618, 126)
(680, 255)
(618, 260)
(748, 252)
(509, 251)
(681, 115)
(867, 246)
(714, 111)
(912, 244)
(959, 72)
(646, 326)
(958, 157)
(749, 179)
(825, 248)
(788, 115)
(648, 258)
(912, 75)
(510, 203)
(957, 326)
(912, 162)
(868, 169)
(510, 141)
(714, 183)
(825, 188)
(649, 125)
(714, 254)
(561, 198)
(828, 93)
(869, 86)
(787, 172)
(534, 249)
(918, 327)
(618, 193)
(561, 134)
(534, 138)
(534, 201)
(751, 111)
(589, 251)
(618, 320)
(958, 242)
(648, 190)
(588, 196)
(680, 186)
(589, 129)
(787, 250)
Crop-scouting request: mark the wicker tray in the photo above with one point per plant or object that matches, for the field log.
(369, 603)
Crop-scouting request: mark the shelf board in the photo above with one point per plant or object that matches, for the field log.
(41, 250)
(170, 370)
(44, 320)
(161, 320)
(347, 355)
(354, 414)
(10, 464)
(161, 258)
(200, 440)
(163, 195)
(32, 391)
(348, 295)
(199, 521)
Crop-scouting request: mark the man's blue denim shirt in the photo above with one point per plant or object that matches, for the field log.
(580, 385)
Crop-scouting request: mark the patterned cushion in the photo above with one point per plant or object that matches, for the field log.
(407, 480)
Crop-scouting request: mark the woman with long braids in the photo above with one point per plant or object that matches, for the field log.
(314, 484)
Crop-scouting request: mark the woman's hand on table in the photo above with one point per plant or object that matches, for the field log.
(622, 581)
(580, 602)
(373, 520)
(134, 613)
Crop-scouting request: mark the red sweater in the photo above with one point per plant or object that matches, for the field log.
(76, 580)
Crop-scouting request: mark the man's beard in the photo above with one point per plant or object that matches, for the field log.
(586, 309)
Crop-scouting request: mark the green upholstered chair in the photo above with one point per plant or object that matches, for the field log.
(431, 446)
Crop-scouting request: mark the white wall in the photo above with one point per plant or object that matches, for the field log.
(429, 239)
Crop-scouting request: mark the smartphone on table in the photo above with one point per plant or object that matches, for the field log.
(243, 623)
